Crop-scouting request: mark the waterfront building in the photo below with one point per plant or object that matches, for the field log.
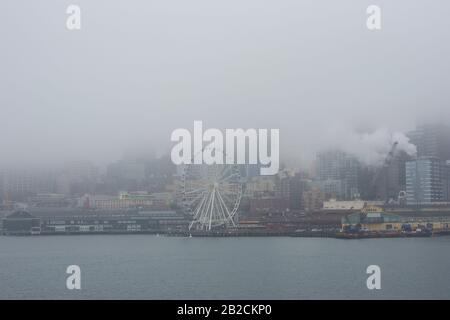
(335, 205)
(128, 200)
(24, 223)
(155, 200)
(268, 205)
(21, 223)
(375, 219)
(49, 200)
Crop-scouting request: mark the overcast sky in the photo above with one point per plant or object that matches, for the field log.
(137, 70)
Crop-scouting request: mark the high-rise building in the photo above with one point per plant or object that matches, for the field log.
(424, 181)
(290, 186)
(340, 170)
(446, 181)
(19, 184)
(77, 177)
(297, 186)
(432, 140)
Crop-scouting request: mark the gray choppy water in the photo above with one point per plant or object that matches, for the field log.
(150, 267)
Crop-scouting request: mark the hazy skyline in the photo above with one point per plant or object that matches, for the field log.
(137, 70)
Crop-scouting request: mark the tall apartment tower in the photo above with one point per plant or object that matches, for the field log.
(432, 140)
(446, 181)
(424, 181)
(428, 177)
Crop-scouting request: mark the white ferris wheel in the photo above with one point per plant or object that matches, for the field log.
(211, 194)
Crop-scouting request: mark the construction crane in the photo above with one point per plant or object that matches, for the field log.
(387, 161)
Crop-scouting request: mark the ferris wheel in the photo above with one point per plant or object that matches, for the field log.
(211, 194)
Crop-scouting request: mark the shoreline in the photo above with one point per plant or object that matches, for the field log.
(242, 233)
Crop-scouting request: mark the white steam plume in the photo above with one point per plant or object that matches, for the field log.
(370, 148)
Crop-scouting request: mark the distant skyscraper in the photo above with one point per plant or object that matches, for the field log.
(446, 181)
(424, 181)
(19, 184)
(341, 170)
(432, 140)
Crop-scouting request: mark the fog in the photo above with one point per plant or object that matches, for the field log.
(137, 70)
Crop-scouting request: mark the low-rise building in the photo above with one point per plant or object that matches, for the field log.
(313, 199)
(21, 223)
(125, 200)
(336, 205)
(268, 205)
(375, 219)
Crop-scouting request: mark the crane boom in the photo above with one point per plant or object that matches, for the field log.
(386, 163)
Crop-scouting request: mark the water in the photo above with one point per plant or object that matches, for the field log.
(151, 267)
